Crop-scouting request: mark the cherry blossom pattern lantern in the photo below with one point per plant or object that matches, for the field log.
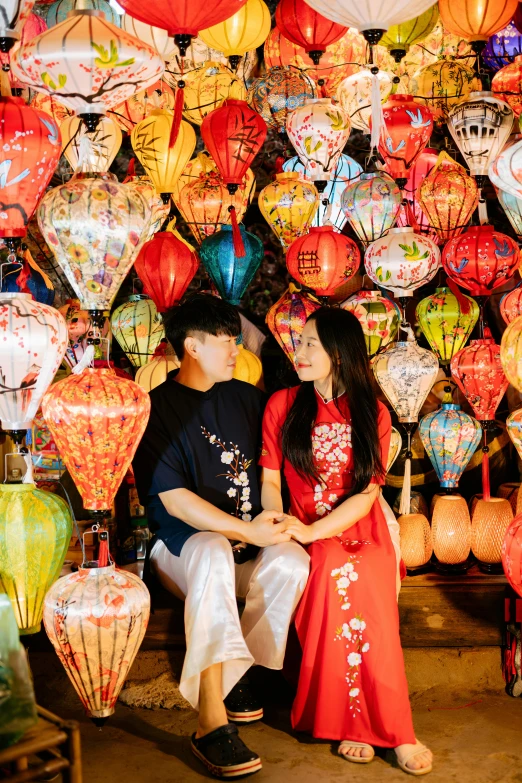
(279, 92)
(402, 261)
(231, 273)
(207, 88)
(323, 260)
(96, 619)
(410, 213)
(502, 47)
(443, 84)
(137, 326)
(512, 554)
(473, 21)
(512, 206)
(166, 266)
(288, 205)
(355, 95)
(239, 33)
(511, 304)
(511, 353)
(303, 26)
(378, 316)
(33, 341)
(481, 259)
(103, 144)
(96, 419)
(398, 38)
(447, 322)
(14, 16)
(406, 132)
(286, 319)
(448, 197)
(371, 205)
(89, 64)
(506, 85)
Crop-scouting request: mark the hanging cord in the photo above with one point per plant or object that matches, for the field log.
(486, 491)
(75, 522)
(405, 503)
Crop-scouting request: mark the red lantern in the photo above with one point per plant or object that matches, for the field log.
(480, 259)
(506, 84)
(512, 554)
(511, 304)
(478, 372)
(410, 213)
(30, 147)
(303, 26)
(323, 260)
(286, 319)
(407, 130)
(165, 266)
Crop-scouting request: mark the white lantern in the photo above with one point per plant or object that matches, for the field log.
(355, 96)
(506, 171)
(101, 147)
(402, 261)
(156, 37)
(370, 15)
(12, 19)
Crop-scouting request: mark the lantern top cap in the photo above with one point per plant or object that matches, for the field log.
(284, 175)
(321, 229)
(400, 96)
(401, 230)
(89, 570)
(15, 295)
(450, 406)
(85, 12)
(17, 487)
(323, 101)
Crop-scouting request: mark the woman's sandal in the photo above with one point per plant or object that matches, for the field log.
(224, 753)
(355, 759)
(417, 772)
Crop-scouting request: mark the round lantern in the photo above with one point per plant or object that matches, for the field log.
(153, 36)
(35, 531)
(323, 260)
(231, 274)
(138, 328)
(443, 84)
(166, 266)
(245, 30)
(155, 372)
(55, 62)
(372, 16)
(477, 369)
(502, 47)
(378, 316)
(512, 206)
(96, 620)
(511, 304)
(301, 25)
(276, 94)
(249, 368)
(102, 148)
(94, 226)
(402, 261)
(57, 12)
(286, 319)
(505, 172)
(447, 322)
(318, 132)
(514, 429)
(157, 96)
(163, 161)
(371, 205)
(288, 205)
(33, 343)
(451, 533)
(480, 126)
(354, 94)
(14, 16)
(511, 353)
(398, 38)
(448, 197)
(481, 259)
(96, 419)
(207, 88)
(511, 554)
(489, 525)
(51, 106)
(407, 130)
(506, 84)
(476, 21)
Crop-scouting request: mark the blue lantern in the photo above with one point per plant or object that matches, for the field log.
(346, 171)
(450, 438)
(502, 48)
(231, 274)
(26, 277)
(57, 11)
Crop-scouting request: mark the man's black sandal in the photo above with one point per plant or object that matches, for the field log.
(242, 704)
(225, 754)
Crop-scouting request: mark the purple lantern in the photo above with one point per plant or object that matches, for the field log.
(503, 47)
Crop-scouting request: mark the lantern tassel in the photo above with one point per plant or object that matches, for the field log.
(131, 170)
(239, 248)
(85, 361)
(482, 210)
(178, 112)
(410, 216)
(103, 552)
(23, 277)
(486, 490)
(464, 303)
(32, 263)
(378, 125)
(405, 504)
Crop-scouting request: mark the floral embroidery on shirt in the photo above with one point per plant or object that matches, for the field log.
(329, 444)
(236, 473)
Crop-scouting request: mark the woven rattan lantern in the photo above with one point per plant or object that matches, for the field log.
(491, 519)
(416, 541)
(510, 491)
(451, 533)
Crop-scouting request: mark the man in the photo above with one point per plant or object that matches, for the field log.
(196, 470)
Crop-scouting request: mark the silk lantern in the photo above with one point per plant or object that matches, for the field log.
(14, 16)
(139, 105)
(378, 316)
(371, 205)
(103, 144)
(406, 132)
(231, 274)
(198, 54)
(489, 525)
(451, 534)
(166, 266)
(416, 541)
(94, 227)
(29, 153)
(300, 24)
(246, 29)
(323, 260)
(402, 261)
(514, 429)
(88, 63)
(511, 353)
(96, 620)
(286, 319)
(96, 419)
(506, 85)
(511, 304)
(159, 210)
(395, 447)
(355, 95)
(502, 47)
(32, 346)
(481, 259)
(372, 17)
(398, 38)
(443, 84)
(512, 206)
(155, 372)
(476, 21)
(249, 368)
(138, 328)
(162, 160)
(57, 12)
(512, 554)
(448, 197)
(35, 530)
(153, 36)
(207, 88)
(288, 205)
(276, 94)
(505, 172)
(410, 213)
(318, 132)
(447, 321)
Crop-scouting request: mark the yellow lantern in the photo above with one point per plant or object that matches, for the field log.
(249, 368)
(399, 37)
(198, 55)
(206, 88)
(162, 160)
(155, 372)
(288, 204)
(103, 143)
(243, 31)
(137, 326)
(447, 322)
(442, 85)
(139, 105)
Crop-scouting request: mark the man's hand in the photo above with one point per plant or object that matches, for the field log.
(267, 528)
(302, 533)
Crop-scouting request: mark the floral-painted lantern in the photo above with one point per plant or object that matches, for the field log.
(156, 96)
(406, 132)
(137, 326)
(245, 30)
(506, 84)
(502, 47)
(481, 259)
(505, 172)
(286, 319)
(512, 206)
(371, 205)
(514, 429)
(511, 353)
(198, 55)
(230, 273)
(448, 198)
(355, 95)
(512, 554)
(443, 84)
(99, 153)
(162, 160)
(288, 205)
(300, 24)
(207, 88)
(398, 38)
(14, 16)
(323, 260)
(476, 21)
(159, 210)
(378, 316)
(166, 266)
(96, 419)
(276, 94)
(402, 261)
(511, 304)
(447, 321)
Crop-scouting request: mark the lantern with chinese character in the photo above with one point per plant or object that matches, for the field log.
(512, 206)
(163, 161)
(371, 205)
(354, 94)
(137, 327)
(476, 21)
(14, 17)
(407, 130)
(398, 38)
(378, 316)
(402, 261)
(231, 274)
(245, 30)
(481, 259)
(306, 28)
(286, 319)
(323, 260)
(447, 322)
(511, 304)
(207, 88)
(103, 146)
(505, 172)
(276, 94)
(166, 266)
(288, 205)
(448, 197)
(443, 84)
(502, 47)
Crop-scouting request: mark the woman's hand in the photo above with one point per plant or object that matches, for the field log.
(302, 533)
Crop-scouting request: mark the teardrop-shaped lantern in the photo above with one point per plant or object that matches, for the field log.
(323, 260)
(511, 353)
(407, 130)
(104, 144)
(159, 39)
(231, 274)
(245, 30)
(478, 372)
(481, 259)
(502, 47)
(371, 205)
(155, 372)
(410, 213)
(378, 316)
(514, 429)
(163, 161)
(402, 261)
(511, 304)
(207, 88)
(442, 84)
(288, 205)
(398, 38)
(506, 85)
(277, 93)
(166, 266)
(138, 328)
(512, 554)
(354, 94)
(142, 103)
(447, 322)
(286, 319)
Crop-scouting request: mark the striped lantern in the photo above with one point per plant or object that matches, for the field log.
(303, 26)
(159, 39)
(476, 21)
(287, 317)
(511, 304)
(155, 372)
(138, 328)
(448, 197)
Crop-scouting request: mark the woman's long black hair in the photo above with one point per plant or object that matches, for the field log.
(342, 338)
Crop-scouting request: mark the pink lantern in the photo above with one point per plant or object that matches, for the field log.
(511, 304)
(410, 213)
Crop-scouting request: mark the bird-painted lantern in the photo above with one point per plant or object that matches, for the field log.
(402, 261)
(371, 205)
(288, 205)
(481, 259)
(406, 132)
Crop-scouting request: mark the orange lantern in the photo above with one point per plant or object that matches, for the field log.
(286, 319)
(506, 84)
(448, 198)
(139, 105)
(406, 132)
(323, 259)
(476, 21)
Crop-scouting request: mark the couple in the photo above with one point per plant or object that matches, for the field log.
(221, 532)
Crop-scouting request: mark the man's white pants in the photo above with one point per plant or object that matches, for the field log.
(207, 579)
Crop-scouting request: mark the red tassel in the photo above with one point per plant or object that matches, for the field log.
(464, 303)
(178, 112)
(410, 216)
(131, 170)
(402, 570)
(279, 164)
(239, 248)
(103, 553)
(23, 277)
(161, 350)
(486, 492)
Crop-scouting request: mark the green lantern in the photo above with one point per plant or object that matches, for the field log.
(35, 530)
(137, 326)
(447, 321)
(399, 37)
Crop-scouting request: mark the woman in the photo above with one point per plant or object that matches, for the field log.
(331, 436)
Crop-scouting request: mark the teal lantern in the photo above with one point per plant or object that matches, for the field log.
(57, 11)
(231, 274)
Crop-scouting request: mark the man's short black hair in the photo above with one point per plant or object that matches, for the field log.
(201, 313)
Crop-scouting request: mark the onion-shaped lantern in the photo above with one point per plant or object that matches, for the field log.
(303, 26)
(288, 205)
(159, 210)
(137, 326)
(245, 30)
(443, 84)
(286, 319)
(512, 206)
(511, 353)
(447, 322)
(166, 266)
(57, 12)
(155, 372)
(279, 92)
(354, 94)
(506, 85)
(323, 260)
(511, 304)
(402, 261)
(399, 37)
(371, 205)
(103, 144)
(502, 47)
(378, 316)
(476, 21)
(481, 259)
(207, 88)
(514, 429)
(153, 36)
(406, 132)
(231, 274)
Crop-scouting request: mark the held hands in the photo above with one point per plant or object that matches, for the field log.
(268, 528)
(302, 533)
